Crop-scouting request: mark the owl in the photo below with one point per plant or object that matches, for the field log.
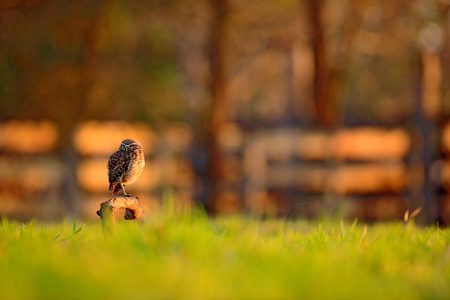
(125, 165)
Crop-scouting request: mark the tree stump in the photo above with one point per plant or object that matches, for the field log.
(133, 210)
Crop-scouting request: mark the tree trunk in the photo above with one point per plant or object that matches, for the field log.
(423, 191)
(217, 114)
(322, 89)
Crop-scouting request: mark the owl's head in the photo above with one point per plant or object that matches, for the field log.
(130, 145)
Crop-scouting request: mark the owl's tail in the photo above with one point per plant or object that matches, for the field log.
(114, 187)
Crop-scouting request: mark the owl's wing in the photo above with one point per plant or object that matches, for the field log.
(118, 164)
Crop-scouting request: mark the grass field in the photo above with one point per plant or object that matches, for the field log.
(191, 256)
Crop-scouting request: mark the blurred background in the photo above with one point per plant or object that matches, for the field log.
(241, 106)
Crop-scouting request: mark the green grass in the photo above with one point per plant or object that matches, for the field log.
(195, 257)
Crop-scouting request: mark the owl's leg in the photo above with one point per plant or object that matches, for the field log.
(123, 189)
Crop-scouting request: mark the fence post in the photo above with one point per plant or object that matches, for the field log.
(133, 210)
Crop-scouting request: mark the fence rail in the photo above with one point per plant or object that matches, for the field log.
(364, 172)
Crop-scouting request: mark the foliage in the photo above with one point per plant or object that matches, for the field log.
(151, 60)
(191, 256)
(67, 62)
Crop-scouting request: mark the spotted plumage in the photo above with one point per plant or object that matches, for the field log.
(125, 165)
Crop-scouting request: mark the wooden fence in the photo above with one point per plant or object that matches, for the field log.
(364, 172)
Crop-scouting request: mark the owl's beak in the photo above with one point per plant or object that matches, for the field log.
(123, 147)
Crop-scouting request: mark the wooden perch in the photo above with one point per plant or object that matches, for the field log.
(133, 210)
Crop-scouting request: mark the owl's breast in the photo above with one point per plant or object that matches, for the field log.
(135, 168)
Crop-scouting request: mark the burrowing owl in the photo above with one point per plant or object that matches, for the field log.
(125, 165)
